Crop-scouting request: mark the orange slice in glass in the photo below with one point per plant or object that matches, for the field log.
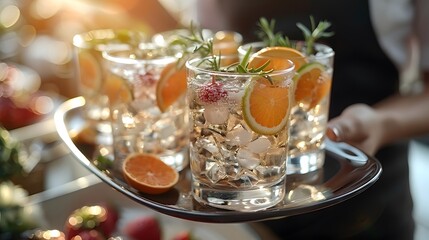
(116, 89)
(266, 106)
(149, 174)
(171, 86)
(90, 72)
(311, 84)
(277, 56)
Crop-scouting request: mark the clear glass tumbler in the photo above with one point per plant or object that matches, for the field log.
(92, 85)
(148, 113)
(311, 109)
(239, 135)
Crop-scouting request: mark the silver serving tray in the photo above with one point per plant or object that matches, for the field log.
(347, 172)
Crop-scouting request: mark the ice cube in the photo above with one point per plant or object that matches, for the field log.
(165, 128)
(235, 97)
(260, 145)
(239, 136)
(216, 114)
(215, 172)
(211, 147)
(247, 159)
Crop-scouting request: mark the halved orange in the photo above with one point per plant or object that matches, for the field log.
(277, 56)
(90, 71)
(311, 84)
(116, 89)
(266, 106)
(148, 173)
(171, 86)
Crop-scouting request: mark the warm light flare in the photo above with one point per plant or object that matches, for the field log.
(9, 16)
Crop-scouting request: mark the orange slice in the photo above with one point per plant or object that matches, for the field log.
(90, 71)
(266, 106)
(149, 174)
(277, 56)
(116, 89)
(171, 86)
(226, 42)
(311, 84)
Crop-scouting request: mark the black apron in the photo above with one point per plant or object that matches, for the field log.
(362, 74)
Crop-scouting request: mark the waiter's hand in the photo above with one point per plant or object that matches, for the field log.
(359, 125)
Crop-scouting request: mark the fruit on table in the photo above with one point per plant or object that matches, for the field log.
(100, 218)
(13, 116)
(184, 235)
(89, 235)
(148, 173)
(146, 227)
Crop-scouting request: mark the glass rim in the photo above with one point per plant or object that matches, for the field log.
(191, 65)
(260, 44)
(110, 55)
(85, 40)
(163, 38)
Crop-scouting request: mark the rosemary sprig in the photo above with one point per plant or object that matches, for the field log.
(271, 38)
(316, 32)
(196, 45)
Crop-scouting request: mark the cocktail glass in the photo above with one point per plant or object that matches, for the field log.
(148, 113)
(239, 135)
(93, 87)
(310, 112)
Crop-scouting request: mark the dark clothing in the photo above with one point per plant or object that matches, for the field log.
(362, 74)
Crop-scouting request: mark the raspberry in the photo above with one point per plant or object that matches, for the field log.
(147, 79)
(212, 93)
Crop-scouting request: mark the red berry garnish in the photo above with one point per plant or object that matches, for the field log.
(212, 93)
(147, 79)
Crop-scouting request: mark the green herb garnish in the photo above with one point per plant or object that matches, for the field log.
(271, 38)
(196, 45)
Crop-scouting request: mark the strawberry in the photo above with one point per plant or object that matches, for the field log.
(146, 227)
(108, 226)
(100, 218)
(89, 235)
(212, 93)
(184, 235)
(13, 116)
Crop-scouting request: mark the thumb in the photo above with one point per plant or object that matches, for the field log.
(343, 130)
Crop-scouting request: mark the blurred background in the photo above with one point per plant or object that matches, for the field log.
(36, 40)
(38, 69)
(38, 33)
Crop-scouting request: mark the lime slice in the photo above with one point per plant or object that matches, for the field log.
(266, 106)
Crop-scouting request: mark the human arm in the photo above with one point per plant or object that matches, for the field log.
(396, 118)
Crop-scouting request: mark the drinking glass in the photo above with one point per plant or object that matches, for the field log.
(88, 47)
(310, 112)
(148, 113)
(237, 157)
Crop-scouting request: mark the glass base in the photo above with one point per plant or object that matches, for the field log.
(178, 161)
(305, 162)
(249, 200)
